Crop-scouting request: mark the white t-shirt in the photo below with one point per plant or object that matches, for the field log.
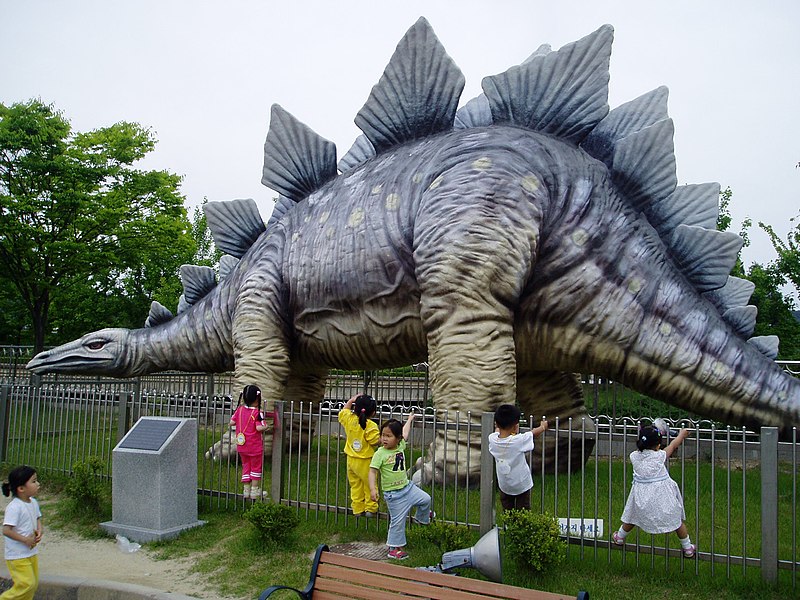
(22, 516)
(513, 472)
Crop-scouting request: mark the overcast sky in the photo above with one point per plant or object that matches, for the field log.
(204, 74)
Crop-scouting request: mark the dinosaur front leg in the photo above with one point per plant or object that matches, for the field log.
(556, 394)
(305, 389)
(261, 336)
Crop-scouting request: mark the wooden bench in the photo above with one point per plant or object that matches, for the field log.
(336, 576)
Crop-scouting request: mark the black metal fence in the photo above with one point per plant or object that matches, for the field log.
(739, 486)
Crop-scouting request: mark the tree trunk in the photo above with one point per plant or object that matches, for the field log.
(39, 317)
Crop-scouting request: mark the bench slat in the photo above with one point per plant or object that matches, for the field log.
(388, 588)
(395, 578)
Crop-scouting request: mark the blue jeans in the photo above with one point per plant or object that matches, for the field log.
(399, 502)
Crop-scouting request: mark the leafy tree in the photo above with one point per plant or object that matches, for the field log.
(82, 230)
(774, 308)
(788, 251)
(206, 253)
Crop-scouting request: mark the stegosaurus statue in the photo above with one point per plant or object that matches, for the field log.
(530, 235)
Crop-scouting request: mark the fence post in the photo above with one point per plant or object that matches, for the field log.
(769, 504)
(210, 386)
(5, 412)
(137, 392)
(487, 516)
(278, 452)
(123, 415)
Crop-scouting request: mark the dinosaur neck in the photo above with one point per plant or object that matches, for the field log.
(197, 340)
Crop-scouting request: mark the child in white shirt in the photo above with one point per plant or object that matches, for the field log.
(508, 446)
(22, 532)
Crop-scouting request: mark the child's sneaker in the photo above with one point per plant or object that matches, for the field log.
(369, 514)
(398, 554)
(618, 539)
(689, 551)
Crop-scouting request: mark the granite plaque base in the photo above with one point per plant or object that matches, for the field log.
(154, 485)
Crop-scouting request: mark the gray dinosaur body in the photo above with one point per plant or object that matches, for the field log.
(509, 256)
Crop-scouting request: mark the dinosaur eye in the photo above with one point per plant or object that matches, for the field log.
(96, 345)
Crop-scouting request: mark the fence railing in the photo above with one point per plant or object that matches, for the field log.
(739, 486)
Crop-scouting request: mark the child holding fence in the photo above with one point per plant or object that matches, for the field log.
(362, 439)
(401, 495)
(508, 447)
(249, 422)
(654, 504)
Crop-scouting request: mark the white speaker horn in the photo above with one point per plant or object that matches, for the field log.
(483, 556)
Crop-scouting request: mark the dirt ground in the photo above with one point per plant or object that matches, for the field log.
(65, 554)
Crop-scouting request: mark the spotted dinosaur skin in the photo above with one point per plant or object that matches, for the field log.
(527, 237)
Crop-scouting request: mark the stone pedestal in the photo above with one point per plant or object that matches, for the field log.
(154, 488)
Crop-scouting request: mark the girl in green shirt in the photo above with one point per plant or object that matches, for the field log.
(401, 495)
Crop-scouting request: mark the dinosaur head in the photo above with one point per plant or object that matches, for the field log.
(101, 352)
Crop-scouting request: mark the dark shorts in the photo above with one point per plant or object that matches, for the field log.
(521, 501)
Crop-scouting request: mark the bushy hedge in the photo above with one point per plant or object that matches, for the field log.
(533, 539)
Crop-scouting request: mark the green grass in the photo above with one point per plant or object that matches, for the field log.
(315, 479)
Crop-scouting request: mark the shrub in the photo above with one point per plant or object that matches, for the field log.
(446, 536)
(86, 486)
(533, 538)
(272, 521)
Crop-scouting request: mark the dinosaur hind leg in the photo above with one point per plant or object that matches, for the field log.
(473, 257)
(556, 394)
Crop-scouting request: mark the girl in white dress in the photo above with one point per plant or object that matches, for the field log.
(654, 503)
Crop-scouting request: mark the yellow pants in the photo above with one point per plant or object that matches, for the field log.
(358, 476)
(25, 575)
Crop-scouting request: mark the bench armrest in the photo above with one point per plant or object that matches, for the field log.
(274, 588)
(306, 593)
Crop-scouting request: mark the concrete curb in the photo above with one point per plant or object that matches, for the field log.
(57, 587)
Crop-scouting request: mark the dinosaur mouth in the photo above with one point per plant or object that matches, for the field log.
(43, 363)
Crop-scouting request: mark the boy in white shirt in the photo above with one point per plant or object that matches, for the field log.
(508, 446)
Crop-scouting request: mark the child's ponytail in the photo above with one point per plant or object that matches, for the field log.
(364, 407)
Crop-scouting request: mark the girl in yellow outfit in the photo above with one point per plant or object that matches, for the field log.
(362, 439)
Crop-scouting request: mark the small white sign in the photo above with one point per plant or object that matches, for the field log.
(587, 528)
